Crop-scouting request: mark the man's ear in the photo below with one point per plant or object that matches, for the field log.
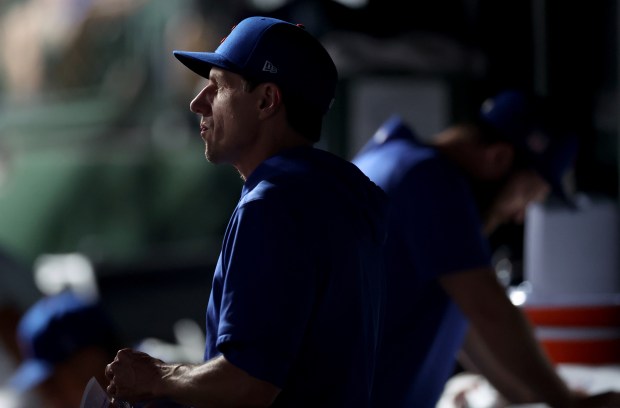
(270, 99)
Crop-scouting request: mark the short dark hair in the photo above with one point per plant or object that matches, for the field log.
(301, 115)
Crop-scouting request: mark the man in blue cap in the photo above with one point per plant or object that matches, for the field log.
(446, 197)
(294, 313)
(64, 340)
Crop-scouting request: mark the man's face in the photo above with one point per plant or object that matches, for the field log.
(62, 390)
(228, 122)
(521, 188)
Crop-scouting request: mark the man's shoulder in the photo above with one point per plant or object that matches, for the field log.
(399, 160)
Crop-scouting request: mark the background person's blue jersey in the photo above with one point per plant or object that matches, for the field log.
(298, 287)
(433, 230)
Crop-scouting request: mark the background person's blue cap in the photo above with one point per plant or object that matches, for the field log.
(53, 330)
(266, 49)
(542, 138)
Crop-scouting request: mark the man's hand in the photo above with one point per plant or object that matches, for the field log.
(134, 376)
(610, 399)
(520, 190)
(137, 377)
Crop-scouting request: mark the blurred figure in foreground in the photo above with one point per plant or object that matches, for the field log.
(446, 197)
(64, 340)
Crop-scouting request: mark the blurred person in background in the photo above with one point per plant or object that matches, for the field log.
(64, 341)
(446, 197)
(17, 291)
(294, 313)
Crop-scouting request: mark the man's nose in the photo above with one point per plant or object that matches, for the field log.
(199, 104)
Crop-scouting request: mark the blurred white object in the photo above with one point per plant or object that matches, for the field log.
(56, 272)
(189, 346)
(190, 338)
(10, 398)
(468, 390)
(571, 289)
(572, 251)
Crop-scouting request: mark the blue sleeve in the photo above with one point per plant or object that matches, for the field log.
(440, 221)
(268, 290)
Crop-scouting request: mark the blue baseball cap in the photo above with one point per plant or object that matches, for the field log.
(265, 49)
(53, 330)
(542, 139)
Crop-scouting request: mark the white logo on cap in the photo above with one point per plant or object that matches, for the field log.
(269, 67)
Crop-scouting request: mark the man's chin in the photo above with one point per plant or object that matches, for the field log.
(211, 156)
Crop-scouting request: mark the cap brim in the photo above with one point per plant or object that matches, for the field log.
(30, 374)
(202, 62)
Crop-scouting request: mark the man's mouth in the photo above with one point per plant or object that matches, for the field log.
(203, 130)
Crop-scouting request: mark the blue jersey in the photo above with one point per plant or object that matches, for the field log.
(433, 230)
(297, 291)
